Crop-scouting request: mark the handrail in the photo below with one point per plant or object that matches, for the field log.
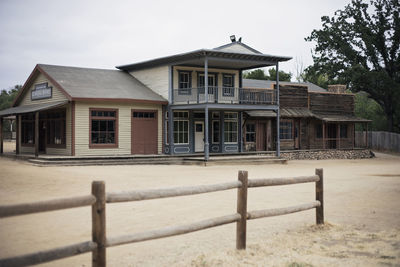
(282, 181)
(172, 230)
(139, 195)
(47, 205)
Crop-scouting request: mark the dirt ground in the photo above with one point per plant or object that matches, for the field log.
(361, 209)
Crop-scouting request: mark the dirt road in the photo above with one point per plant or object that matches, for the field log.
(361, 207)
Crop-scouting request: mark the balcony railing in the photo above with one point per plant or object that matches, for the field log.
(225, 95)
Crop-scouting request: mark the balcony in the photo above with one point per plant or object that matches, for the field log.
(224, 95)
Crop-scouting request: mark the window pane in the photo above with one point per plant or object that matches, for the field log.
(103, 125)
(95, 138)
(110, 125)
(95, 125)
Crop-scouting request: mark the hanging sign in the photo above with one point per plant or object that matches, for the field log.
(41, 91)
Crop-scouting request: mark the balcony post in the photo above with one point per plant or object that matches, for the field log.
(206, 143)
(171, 130)
(240, 131)
(278, 140)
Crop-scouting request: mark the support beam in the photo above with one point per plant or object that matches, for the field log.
(171, 130)
(37, 134)
(278, 140)
(18, 134)
(1, 134)
(206, 143)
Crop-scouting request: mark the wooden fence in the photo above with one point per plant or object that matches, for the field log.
(378, 140)
(99, 198)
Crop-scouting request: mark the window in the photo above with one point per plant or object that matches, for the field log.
(215, 131)
(184, 82)
(286, 129)
(181, 127)
(56, 128)
(250, 132)
(231, 127)
(28, 129)
(103, 128)
(144, 114)
(212, 83)
(318, 130)
(343, 130)
(228, 85)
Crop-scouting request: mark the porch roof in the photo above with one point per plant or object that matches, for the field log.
(284, 112)
(31, 108)
(216, 59)
(340, 118)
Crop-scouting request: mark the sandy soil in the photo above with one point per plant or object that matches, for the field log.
(361, 208)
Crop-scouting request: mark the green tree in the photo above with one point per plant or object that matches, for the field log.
(259, 74)
(359, 46)
(7, 97)
(368, 108)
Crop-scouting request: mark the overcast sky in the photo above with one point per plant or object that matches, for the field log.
(104, 34)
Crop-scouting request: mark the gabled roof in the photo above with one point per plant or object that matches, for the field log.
(234, 56)
(93, 84)
(252, 83)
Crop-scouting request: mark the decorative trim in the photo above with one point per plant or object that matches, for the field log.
(178, 150)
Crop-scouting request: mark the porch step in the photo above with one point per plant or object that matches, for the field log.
(163, 160)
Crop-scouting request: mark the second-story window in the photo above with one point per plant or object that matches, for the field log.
(228, 85)
(212, 83)
(184, 82)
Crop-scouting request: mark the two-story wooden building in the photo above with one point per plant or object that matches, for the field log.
(186, 103)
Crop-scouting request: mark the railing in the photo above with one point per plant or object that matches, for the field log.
(224, 95)
(99, 198)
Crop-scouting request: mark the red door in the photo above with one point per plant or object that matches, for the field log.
(144, 132)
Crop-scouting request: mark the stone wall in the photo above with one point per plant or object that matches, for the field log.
(328, 154)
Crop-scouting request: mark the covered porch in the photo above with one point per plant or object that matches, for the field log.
(38, 127)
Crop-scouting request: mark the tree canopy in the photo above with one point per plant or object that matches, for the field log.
(359, 46)
(7, 97)
(259, 74)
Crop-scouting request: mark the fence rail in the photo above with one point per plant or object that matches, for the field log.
(99, 198)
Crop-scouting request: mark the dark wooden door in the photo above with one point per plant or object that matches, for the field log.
(42, 136)
(332, 135)
(261, 136)
(144, 132)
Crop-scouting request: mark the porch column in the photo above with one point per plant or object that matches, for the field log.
(278, 138)
(171, 130)
(240, 131)
(323, 135)
(206, 144)
(17, 129)
(37, 134)
(1, 135)
(338, 134)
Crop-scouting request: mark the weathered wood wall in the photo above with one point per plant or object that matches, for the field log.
(379, 140)
(293, 96)
(332, 103)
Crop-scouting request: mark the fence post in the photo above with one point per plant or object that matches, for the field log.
(319, 195)
(99, 224)
(242, 210)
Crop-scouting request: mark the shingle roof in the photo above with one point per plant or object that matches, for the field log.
(31, 108)
(99, 83)
(252, 83)
(284, 112)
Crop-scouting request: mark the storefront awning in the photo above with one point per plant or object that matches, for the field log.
(284, 112)
(340, 118)
(31, 108)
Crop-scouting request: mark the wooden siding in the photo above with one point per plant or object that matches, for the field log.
(124, 128)
(332, 103)
(57, 95)
(154, 78)
(292, 96)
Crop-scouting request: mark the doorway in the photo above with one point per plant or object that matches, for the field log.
(261, 136)
(42, 136)
(332, 130)
(199, 136)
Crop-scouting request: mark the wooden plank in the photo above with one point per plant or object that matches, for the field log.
(99, 224)
(282, 181)
(172, 230)
(256, 214)
(47, 205)
(138, 195)
(49, 255)
(319, 196)
(242, 210)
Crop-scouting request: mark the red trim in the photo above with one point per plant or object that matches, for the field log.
(29, 81)
(120, 100)
(116, 128)
(73, 128)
